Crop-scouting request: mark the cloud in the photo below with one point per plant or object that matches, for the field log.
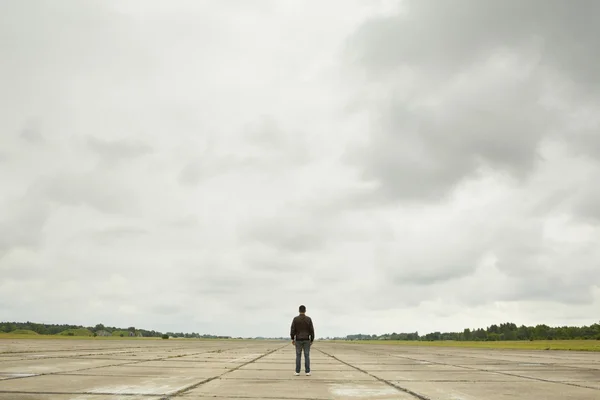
(118, 150)
(97, 189)
(22, 224)
(31, 134)
(473, 90)
(209, 167)
(288, 232)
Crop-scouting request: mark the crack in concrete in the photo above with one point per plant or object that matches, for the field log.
(194, 386)
(398, 387)
(96, 367)
(483, 370)
(82, 393)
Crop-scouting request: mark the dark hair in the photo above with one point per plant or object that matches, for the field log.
(302, 309)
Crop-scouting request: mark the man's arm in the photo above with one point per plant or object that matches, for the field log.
(312, 331)
(293, 329)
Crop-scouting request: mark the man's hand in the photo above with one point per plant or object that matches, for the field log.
(293, 342)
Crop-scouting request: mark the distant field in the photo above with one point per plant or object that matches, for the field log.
(575, 345)
(23, 332)
(66, 337)
(61, 336)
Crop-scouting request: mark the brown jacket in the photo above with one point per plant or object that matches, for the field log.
(302, 328)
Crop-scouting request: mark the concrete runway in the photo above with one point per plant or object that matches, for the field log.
(192, 369)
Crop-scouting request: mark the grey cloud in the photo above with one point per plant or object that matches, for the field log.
(182, 158)
(118, 233)
(54, 55)
(266, 132)
(269, 149)
(207, 167)
(447, 36)
(188, 222)
(167, 309)
(32, 134)
(103, 192)
(461, 88)
(285, 145)
(588, 206)
(423, 276)
(288, 232)
(587, 139)
(118, 150)
(22, 224)
(416, 264)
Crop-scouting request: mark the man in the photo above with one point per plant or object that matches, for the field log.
(303, 334)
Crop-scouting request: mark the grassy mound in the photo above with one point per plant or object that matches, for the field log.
(23, 332)
(121, 333)
(76, 332)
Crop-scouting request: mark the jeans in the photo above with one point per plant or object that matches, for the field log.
(303, 345)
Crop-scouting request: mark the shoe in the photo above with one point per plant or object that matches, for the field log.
(308, 374)
(297, 373)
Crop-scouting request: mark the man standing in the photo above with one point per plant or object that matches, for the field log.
(303, 334)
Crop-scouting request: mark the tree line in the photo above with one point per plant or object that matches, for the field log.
(97, 330)
(504, 331)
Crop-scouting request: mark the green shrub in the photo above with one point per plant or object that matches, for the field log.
(76, 332)
(23, 332)
(165, 336)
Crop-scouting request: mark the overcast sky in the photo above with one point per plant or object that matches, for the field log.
(208, 166)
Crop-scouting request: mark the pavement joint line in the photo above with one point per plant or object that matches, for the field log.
(523, 354)
(501, 362)
(194, 386)
(82, 393)
(75, 356)
(488, 370)
(129, 362)
(78, 349)
(237, 396)
(313, 378)
(398, 387)
(108, 376)
(332, 380)
(112, 352)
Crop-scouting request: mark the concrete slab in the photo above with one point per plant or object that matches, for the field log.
(290, 365)
(86, 384)
(584, 365)
(559, 374)
(499, 391)
(17, 396)
(444, 376)
(137, 370)
(44, 366)
(302, 387)
(432, 368)
(154, 369)
(288, 374)
(167, 364)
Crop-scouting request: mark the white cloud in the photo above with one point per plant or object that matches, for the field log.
(210, 166)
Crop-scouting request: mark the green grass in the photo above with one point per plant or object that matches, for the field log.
(574, 345)
(11, 335)
(119, 333)
(34, 335)
(23, 332)
(76, 332)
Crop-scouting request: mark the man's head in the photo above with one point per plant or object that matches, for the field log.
(302, 309)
